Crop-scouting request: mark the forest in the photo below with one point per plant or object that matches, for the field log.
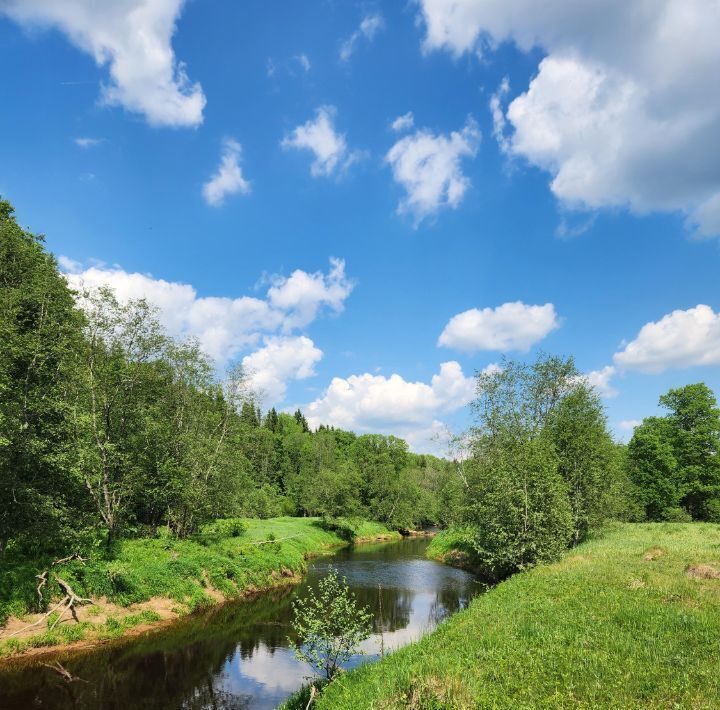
(112, 429)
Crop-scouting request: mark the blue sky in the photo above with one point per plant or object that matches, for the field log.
(556, 185)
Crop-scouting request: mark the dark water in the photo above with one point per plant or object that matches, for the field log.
(237, 656)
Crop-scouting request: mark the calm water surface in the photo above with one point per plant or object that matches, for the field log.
(237, 656)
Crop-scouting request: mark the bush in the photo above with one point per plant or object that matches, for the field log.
(521, 514)
(223, 528)
(346, 528)
(676, 515)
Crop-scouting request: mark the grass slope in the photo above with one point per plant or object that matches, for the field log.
(186, 573)
(625, 621)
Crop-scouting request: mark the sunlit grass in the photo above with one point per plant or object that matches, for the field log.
(617, 623)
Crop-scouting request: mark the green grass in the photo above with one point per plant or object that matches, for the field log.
(450, 546)
(369, 530)
(181, 570)
(617, 623)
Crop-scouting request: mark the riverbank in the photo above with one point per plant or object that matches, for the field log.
(631, 619)
(150, 582)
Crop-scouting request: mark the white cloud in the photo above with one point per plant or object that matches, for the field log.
(428, 167)
(511, 326)
(301, 294)
(304, 61)
(599, 380)
(498, 115)
(678, 340)
(88, 142)
(403, 123)
(132, 37)
(625, 107)
(224, 326)
(319, 136)
(374, 403)
(279, 360)
(369, 27)
(228, 179)
(629, 424)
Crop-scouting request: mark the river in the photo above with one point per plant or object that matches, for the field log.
(237, 655)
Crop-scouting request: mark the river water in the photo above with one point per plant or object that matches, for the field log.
(237, 655)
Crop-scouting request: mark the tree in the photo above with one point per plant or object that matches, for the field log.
(271, 421)
(517, 502)
(41, 340)
(653, 469)
(122, 377)
(519, 509)
(300, 419)
(587, 458)
(330, 625)
(694, 433)
(249, 415)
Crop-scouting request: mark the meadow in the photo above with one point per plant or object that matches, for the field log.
(628, 619)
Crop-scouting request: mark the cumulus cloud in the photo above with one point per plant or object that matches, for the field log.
(369, 27)
(319, 136)
(678, 340)
(224, 326)
(228, 179)
(280, 360)
(403, 123)
(392, 404)
(428, 167)
(629, 424)
(511, 326)
(624, 109)
(301, 294)
(134, 39)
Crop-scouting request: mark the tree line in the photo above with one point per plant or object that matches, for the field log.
(109, 427)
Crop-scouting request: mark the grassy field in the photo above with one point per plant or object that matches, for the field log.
(629, 620)
(148, 580)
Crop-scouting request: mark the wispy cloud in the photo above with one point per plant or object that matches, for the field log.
(88, 142)
(369, 27)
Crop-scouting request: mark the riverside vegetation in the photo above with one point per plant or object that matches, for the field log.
(127, 461)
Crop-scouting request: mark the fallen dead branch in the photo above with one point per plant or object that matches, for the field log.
(63, 672)
(69, 602)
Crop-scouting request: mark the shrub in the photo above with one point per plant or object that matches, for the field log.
(676, 515)
(330, 625)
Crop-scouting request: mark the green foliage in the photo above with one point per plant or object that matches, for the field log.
(41, 500)
(521, 508)
(542, 470)
(674, 461)
(588, 459)
(616, 623)
(219, 529)
(330, 625)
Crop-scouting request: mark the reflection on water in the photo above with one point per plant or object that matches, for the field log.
(237, 656)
